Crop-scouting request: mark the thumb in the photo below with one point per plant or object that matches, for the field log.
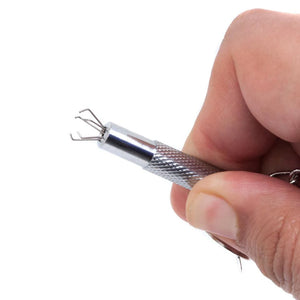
(255, 214)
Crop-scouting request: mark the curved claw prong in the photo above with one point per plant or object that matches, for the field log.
(74, 139)
(87, 109)
(86, 138)
(92, 123)
(280, 173)
(291, 176)
(96, 124)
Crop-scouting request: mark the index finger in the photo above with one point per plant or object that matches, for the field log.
(254, 92)
(253, 96)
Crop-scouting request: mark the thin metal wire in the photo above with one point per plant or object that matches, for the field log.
(87, 138)
(280, 173)
(293, 176)
(87, 109)
(96, 124)
(91, 122)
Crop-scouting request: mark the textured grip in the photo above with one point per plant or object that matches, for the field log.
(178, 167)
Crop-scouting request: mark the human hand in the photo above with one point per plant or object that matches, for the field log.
(250, 123)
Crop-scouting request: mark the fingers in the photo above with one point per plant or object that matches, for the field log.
(250, 121)
(256, 215)
(281, 157)
(253, 99)
(178, 200)
(254, 92)
(264, 47)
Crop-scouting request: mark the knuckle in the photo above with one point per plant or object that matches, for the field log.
(249, 14)
(272, 80)
(292, 132)
(276, 250)
(243, 20)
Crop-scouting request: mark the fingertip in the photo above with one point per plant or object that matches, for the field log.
(178, 200)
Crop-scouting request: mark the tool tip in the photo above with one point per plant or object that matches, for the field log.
(94, 122)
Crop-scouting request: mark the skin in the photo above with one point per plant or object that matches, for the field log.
(250, 125)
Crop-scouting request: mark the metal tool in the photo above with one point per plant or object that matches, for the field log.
(158, 158)
(293, 177)
(153, 156)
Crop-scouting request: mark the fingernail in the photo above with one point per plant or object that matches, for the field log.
(212, 214)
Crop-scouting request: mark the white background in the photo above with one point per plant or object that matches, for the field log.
(78, 223)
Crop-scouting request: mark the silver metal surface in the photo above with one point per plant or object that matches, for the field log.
(96, 124)
(293, 177)
(127, 144)
(178, 167)
(155, 157)
(158, 158)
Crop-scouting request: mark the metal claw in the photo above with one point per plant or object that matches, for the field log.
(96, 124)
(280, 173)
(91, 123)
(293, 177)
(87, 109)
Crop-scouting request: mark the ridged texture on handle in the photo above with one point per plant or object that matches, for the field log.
(178, 167)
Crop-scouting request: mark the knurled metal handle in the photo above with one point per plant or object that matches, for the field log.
(178, 167)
